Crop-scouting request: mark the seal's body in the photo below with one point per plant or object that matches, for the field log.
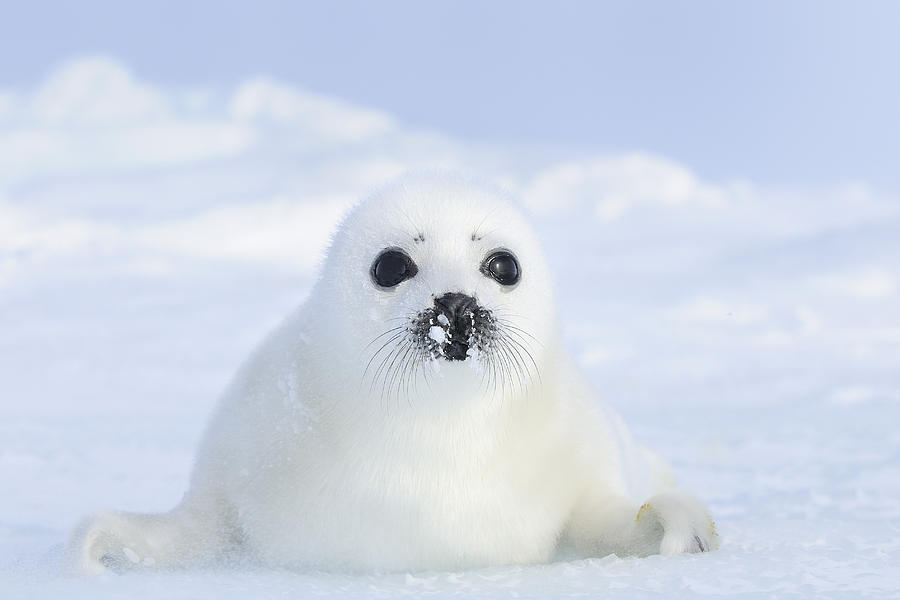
(417, 412)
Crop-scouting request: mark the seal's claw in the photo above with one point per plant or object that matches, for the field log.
(675, 523)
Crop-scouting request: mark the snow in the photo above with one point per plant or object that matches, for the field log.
(149, 237)
(438, 334)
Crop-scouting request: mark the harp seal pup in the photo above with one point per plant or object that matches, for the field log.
(417, 412)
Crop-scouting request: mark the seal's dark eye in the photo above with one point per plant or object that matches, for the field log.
(502, 266)
(393, 266)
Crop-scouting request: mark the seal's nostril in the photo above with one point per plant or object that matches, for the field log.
(454, 304)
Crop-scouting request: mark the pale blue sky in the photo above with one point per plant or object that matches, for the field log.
(804, 93)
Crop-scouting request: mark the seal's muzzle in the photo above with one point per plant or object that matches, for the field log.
(459, 310)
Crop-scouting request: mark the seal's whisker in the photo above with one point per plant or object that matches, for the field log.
(495, 376)
(390, 370)
(388, 373)
(401, 368)
(381, 366)
(519, 367)
(508, 325)
(501, 369)
(523, 339)
(375, 355)
(537, 370)
(502, 310)
(511, 345)
(428, 372)
(516, 361)
(483, 363)
(416, 363)
(507, 367)
(409, 368)
(381, 335)
(476, 234)
(493, 363)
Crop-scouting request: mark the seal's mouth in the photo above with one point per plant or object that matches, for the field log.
(455, 327)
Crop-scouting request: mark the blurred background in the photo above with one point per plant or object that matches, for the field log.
(716, 185)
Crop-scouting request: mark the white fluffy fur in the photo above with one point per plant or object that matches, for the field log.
(312, 461)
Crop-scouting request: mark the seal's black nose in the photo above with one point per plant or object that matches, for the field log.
(458, 309)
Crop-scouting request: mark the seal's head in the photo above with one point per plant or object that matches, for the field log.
(438, 280)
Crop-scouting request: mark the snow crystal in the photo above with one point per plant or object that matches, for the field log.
(438, 334)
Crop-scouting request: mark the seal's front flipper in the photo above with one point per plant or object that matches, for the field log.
(673, 523)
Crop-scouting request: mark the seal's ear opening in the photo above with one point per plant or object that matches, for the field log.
(392, 267)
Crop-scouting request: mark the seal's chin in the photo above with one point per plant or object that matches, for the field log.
(450, 380)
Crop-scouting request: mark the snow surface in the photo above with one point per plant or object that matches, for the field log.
(150, 236)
